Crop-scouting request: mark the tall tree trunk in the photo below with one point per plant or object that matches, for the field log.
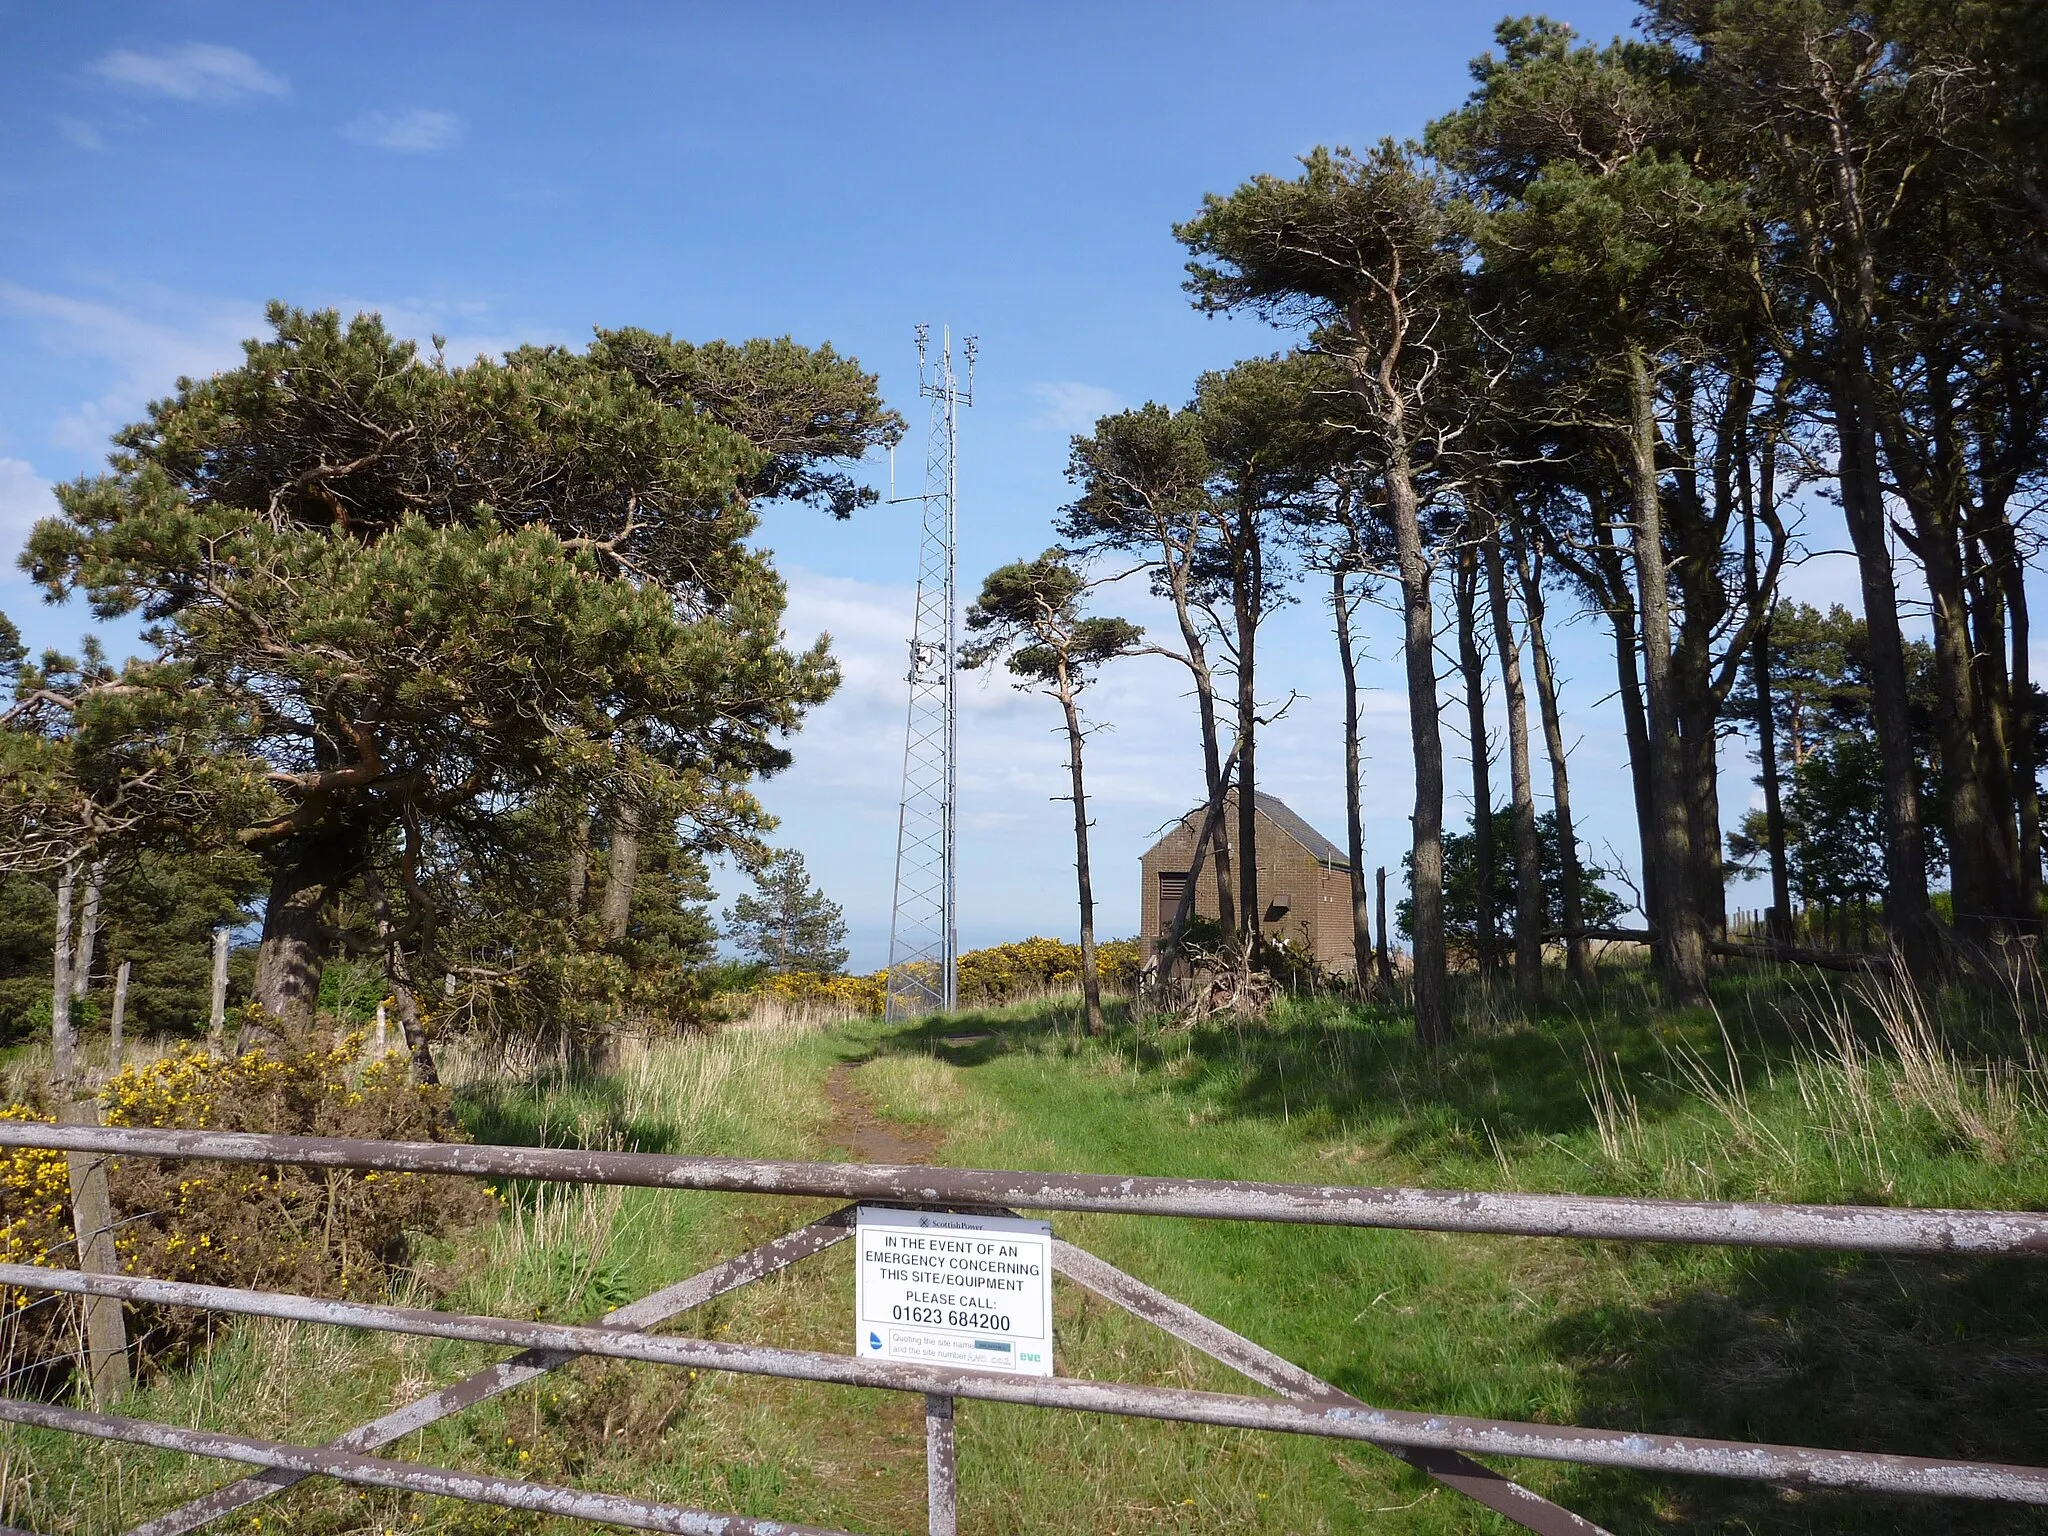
(1220, 781)
(1699, 713)
(1635, 727)
(2023, 725)
(119, 1016)
(1529, 902)
(1982, 854)
(1635, 731)
(1354, 822)
(1683, 949)
(1465, 597)
(621, 869)
(1214, 774)
(1091, 981)
(63, 1039)
(1780, 922)
(105, 1341)
(1973, 875)
(1245, 594)
(1778, 925)
(1382, 957)
(88, 929)
(1577, 962)
(1426, 859)
(579, 861)
(398, 971)
(1696, 527)
(1209, 836)
(1996, 748)
(1908, 914)
(217, 1001)
(1847, 285)
(308, 877)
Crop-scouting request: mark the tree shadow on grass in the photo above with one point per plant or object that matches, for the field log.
(561, 1110)
(973, 1037)
(1922, 1357)
(1334, 1064)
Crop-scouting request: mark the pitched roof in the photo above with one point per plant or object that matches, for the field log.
(1282, 816)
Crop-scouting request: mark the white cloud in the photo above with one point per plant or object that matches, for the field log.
(80, 134)
(147, 338)
(838, 803)
(1066, 406)
(201, 72)
(413, 131)
(146, 354)
(24, 500)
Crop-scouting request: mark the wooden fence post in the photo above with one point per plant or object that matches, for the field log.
(120, 1013)
(92, 1219)
(88, 929)
(92, 1215)
(217, 1015)
(63, 1043)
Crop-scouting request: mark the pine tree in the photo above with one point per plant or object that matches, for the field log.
(1364, 253)
(1029, 615)
(788, 925)
(418, 598)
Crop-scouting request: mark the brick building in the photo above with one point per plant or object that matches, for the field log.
(1304, 881)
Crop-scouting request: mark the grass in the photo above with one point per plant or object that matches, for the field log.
(1782, 1093)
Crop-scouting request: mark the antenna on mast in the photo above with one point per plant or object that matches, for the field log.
(924, 970)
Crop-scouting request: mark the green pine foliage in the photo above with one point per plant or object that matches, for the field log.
(788, 924)
(1601, 907)
(405, 611)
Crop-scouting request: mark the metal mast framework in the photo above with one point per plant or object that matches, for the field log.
(923, 942)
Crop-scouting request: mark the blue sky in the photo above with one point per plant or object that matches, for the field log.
(509, 173)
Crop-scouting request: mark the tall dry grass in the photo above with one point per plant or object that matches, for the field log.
(1881, 1078)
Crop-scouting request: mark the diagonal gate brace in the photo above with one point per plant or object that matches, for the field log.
(1454, 1470)
(516, 1371)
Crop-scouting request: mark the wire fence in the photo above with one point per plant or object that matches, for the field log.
(1443, 1446)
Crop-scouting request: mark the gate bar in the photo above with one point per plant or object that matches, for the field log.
(1844, 1228)
(505, 1375)
(1869, 1470)
(404, 1476)
(1460, 1473)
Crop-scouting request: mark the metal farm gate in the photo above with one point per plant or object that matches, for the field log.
(1441, 1445)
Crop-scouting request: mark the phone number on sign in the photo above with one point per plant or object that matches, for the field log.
(987, 1322)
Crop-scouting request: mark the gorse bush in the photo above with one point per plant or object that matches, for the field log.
(35, 1202)
(1002, 973)
(1034, 966)
(807, 989)
(320, 1231)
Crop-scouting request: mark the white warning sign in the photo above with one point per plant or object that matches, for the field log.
(967, 1291)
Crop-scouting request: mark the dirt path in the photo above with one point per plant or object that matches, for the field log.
(866, 1135)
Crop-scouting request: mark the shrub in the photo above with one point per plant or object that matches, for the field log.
(35, 1203)
(858, 994)
(319, 1231)
(1004, 973)
(1030, 967)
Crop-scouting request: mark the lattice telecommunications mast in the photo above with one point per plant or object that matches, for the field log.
(923, 939)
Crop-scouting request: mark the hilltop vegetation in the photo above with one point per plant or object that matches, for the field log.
(1784, 1094)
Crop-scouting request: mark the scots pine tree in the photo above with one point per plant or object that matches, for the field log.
(789, 924)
